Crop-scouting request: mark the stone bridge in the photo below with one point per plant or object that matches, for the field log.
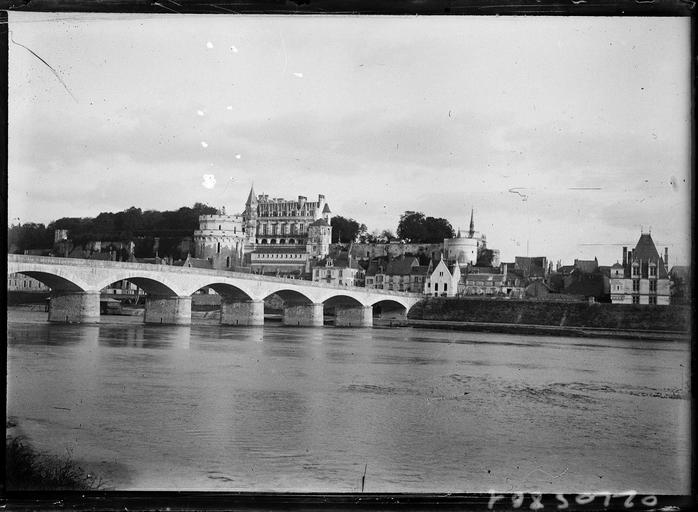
(76, 284)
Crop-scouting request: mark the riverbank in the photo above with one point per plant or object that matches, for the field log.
(26, 469)
(547, 330)
(641, 321)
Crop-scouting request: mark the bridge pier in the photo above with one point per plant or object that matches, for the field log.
(353, 316)
(242, 313)
(167, 310)
(311, 315)
(74, 307)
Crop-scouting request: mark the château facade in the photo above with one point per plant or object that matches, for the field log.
(272, 235)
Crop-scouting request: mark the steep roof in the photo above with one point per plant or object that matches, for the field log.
(644, 252)
(586, 266)
(402, 267)
(320, 222)
(251, 198)
(645, 249)
(326, 209)
(420, 270)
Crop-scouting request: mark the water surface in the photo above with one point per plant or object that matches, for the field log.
(307, 409)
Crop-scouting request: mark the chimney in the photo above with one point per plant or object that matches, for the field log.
(625, 256)
(666, 257)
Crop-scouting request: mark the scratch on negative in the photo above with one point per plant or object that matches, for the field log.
(524, 197)
(47, 64)
(165, 7)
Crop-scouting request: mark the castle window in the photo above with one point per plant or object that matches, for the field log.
(219, 227)
(636, 285)
(636, 299)
(653, 286)
(219, 248)
(636, 269)
(653, 300)
(227, 262)
(653, 270)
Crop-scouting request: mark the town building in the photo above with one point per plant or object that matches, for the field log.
(484, 281)
(643, 276)
(24, 283)
(340, 271)
(404, 274)
(442, 279)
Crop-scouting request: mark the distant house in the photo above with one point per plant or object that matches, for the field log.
(532, 268)
(642, 278)
(483, 281)
(24, 283)
(443, 280)
(340, 271)
(404, 274)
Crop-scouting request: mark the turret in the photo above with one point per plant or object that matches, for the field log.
(327, 213)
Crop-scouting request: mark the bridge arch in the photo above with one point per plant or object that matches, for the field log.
(291, 297)
(342, 300)
(159, 286)
(55, 281)
(227, 291)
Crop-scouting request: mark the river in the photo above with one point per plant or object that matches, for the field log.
(311, 409)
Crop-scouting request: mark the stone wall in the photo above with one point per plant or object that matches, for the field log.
(610, 316)
(395, 250)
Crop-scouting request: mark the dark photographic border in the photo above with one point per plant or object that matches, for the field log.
(145, 500)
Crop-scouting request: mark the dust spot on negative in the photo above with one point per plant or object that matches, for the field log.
(209, 181)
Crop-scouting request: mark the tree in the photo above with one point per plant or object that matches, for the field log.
(28, 236)
(344, 230)
(411, 227)
(388, 236)
(437, 230)
(415, 227)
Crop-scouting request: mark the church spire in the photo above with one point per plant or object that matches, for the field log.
(472, 224)
(251, 198)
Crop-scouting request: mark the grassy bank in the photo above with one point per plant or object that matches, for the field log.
(29, 470)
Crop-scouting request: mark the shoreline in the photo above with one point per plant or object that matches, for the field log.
(504, 328)
(551, 330)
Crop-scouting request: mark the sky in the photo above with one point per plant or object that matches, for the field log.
(567, 136)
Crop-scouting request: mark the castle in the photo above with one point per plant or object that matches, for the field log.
(272, 236)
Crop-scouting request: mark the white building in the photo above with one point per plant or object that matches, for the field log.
(443, 280)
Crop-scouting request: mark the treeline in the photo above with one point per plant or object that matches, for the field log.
(413, 227)
(124, 226)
